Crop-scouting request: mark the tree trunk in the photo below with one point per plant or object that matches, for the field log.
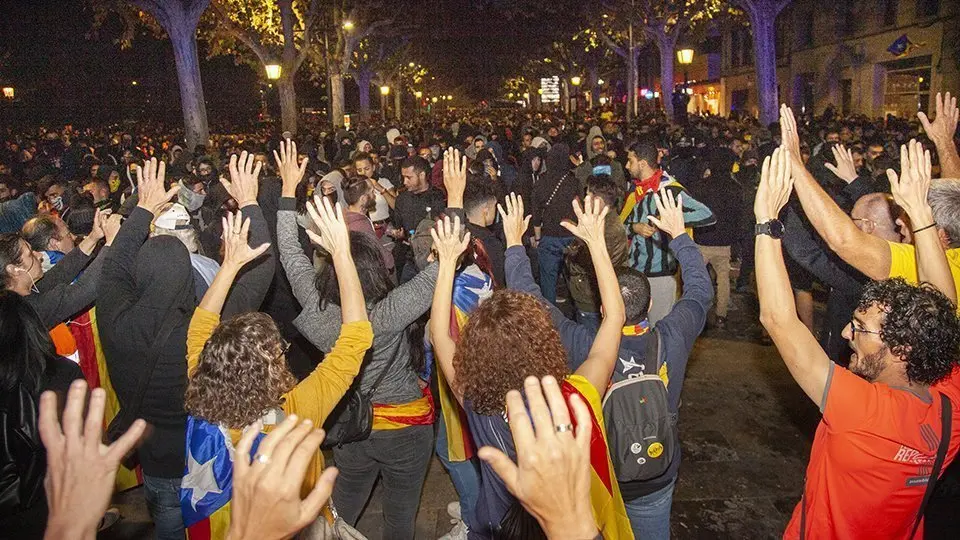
(363, 85)
(288, 103)
(337, 102)
(631, 85)
(397, 99)
(666, 47)
(183, 37)
(765, 63)
(565, 95)
(594, 87)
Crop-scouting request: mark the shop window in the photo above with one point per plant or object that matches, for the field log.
(906, 91)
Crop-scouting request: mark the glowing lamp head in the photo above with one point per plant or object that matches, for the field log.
(575, 81)
(273, 71)
(384, 90)
(8, 92)
(348, 25)
(418, 94)
(685, 56)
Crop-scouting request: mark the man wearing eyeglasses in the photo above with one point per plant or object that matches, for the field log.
(887, 432)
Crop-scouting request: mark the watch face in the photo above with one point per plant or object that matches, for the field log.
(776, 228)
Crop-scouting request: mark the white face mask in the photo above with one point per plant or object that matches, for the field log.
(57, 202)
(191, 200)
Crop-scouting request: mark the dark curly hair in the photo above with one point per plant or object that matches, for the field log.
(920, 326)
(508, 337)
(242, 373)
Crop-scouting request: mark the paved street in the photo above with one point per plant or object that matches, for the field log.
(746, 430)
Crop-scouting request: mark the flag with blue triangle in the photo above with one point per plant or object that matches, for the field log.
(207, 485)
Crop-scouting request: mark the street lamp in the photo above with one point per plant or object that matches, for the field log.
(434, 99)
(418, 94)
(599, 82)
(384, 90)
(348, 25)
(449, 98)
(575, 80)
(411, 64)
(273, 71)
(8, 92)
(685, 56)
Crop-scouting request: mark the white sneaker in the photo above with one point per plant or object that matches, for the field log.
(458, 532)
(454, 510)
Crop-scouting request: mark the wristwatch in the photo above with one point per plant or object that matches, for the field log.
(772, 228)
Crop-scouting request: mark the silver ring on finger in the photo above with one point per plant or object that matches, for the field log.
(562, 428)
(262, 459)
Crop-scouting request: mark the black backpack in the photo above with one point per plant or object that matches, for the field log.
(641, 432)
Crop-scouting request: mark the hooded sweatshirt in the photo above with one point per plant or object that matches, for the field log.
(553, 193)
(146, 288)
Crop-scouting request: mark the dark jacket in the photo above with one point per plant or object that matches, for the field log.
(554, 192)
(677, 332)
(23, 459)
(146, 287)
(60, 297)
(493, 244)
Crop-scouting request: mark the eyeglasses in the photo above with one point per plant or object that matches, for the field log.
(867, 223)
(854, 330)
(284, 347)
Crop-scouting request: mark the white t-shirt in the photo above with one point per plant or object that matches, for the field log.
(382, 211)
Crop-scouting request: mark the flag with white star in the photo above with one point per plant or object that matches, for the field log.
(207, 485)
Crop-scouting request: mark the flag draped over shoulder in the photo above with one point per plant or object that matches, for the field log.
(207, 485)
(470, 287)
(605, 498)
(93, 363)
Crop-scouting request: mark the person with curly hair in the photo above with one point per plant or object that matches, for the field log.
(238, 371)
(886, 426)
(509, 337)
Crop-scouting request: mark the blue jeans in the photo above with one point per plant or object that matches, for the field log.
(550, 257)
(650, 514)
(464, 474)
(589, 319)
(163, 502)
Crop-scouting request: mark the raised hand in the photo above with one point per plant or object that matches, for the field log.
(97, 232)
(151, 195)
(944, 126)
(266, 493)
(514, 222)
(80, 469)
(590, 220)
(244, 179)
(911, 188)
(334, 236)
(551, 478)
(236, 251)
(670, 212)
(789, 134)
(110, 223)
(290, 173)
(454, 176)
(845, 168)
(446, 240)
(776, 183)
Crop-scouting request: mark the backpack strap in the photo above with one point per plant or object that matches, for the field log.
(946, 423)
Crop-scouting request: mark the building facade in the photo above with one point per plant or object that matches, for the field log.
(872, 58)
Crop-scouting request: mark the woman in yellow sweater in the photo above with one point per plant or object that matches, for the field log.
(239, 376)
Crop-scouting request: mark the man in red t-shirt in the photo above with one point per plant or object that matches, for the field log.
(874, 450)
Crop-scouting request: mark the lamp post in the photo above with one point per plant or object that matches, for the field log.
(575, 81)
(8, 92)
(684, 58)
(384, 92)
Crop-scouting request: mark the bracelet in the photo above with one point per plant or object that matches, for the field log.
(924, 228)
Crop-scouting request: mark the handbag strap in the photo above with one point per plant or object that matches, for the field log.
(946, 422)
(376, 384)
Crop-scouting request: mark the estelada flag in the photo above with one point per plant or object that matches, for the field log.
(902, 46)
(207, 486)
(605, 497)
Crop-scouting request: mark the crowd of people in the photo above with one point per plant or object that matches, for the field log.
(517, 293)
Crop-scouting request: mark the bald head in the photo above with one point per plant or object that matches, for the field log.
(875, 214)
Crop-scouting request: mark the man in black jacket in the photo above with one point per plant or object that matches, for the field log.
(552, 196)
(144, 305)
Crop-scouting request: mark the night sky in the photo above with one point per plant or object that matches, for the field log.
(64, 73)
